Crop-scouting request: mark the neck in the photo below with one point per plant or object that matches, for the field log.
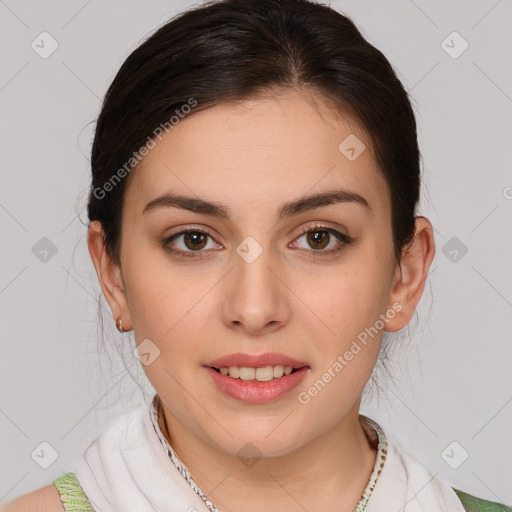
(342, 459)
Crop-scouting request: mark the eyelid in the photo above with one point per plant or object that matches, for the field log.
(304, 229)
(191, 227)
(320, 225)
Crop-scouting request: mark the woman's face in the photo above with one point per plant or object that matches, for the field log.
(255, 283)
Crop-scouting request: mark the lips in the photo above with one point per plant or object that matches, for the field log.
(253, 391)
(256, 361)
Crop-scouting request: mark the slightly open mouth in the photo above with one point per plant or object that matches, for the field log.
(293, 370)
(260, 378)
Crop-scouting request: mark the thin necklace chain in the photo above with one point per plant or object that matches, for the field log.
(155, 409)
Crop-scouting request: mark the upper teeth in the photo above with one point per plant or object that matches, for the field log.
(262, 374)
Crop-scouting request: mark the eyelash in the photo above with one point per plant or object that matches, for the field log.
(346, 240)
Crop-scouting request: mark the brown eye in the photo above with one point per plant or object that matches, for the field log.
(189, 243)
(322, 240)
(195, 240)
(318, 239)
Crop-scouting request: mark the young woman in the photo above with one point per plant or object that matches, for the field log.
(255, 178)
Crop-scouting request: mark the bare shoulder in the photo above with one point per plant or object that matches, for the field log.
(45, 499)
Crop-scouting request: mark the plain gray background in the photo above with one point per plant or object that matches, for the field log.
(60, 386)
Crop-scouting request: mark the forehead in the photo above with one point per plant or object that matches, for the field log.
(250, 153)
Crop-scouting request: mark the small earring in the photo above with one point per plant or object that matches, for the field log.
(119, 325)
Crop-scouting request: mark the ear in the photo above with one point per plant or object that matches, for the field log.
(410, 275)
(109, 275)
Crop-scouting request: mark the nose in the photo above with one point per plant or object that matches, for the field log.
(255, 296)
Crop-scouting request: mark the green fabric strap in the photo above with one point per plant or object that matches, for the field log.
(474, 504)
(71, 494)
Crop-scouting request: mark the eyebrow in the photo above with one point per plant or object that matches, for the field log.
(288, 209)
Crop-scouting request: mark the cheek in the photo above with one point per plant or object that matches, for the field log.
(347, 303)
(350, 297)
(349, 307)
(168, 306)
(155, 295)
